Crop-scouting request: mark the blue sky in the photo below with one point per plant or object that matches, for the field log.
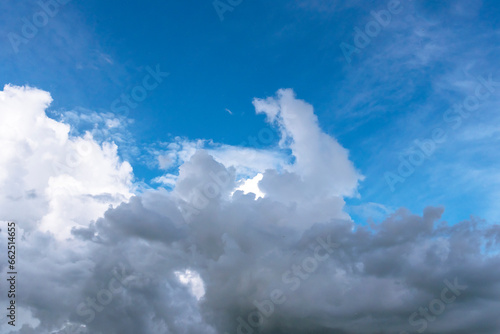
(215, 156)
(392, 92)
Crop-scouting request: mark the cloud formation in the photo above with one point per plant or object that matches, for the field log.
(50, 180)
(290, 262)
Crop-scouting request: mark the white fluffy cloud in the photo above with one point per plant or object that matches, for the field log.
(49, 180)
(321, 161)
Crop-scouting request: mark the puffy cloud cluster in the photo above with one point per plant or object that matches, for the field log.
(203, 258)
(49, 180)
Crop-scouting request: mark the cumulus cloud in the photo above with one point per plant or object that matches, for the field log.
(319, 159)
(307, 163)
(204, 258)
(49, 179)
(331, 277)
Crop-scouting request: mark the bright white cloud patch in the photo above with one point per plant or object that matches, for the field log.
(193, 280)
(252, 186)
(49, 180)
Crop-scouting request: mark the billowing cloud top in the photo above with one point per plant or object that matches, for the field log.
(204, 258)
(50, 181)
